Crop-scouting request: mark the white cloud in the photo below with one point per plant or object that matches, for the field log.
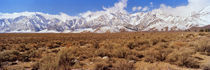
(139, 8)
(120, 6)
(193, 6)
(136, 8)
(145, 8)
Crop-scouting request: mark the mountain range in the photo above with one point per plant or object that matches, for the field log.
(100, 22)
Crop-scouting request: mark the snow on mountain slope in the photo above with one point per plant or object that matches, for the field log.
(61, 16)
(205, 10)
(108, 20)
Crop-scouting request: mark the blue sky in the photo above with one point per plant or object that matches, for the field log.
(74, 7)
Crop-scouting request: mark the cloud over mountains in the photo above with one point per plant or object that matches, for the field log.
(194, 6)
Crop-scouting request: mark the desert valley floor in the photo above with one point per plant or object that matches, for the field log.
(105, 51)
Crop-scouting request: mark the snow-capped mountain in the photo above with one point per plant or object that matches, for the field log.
(101, 21)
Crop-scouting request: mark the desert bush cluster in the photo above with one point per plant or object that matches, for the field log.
(107, 51)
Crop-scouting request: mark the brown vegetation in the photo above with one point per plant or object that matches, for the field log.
(109, 51)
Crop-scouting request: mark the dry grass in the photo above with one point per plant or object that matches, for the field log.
(109, 51)
(204, 46)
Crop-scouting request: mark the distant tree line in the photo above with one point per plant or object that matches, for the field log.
(198, 30)
(204, 30)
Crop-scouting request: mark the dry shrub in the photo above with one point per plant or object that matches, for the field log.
(117, 51)
(109, 45)
(177, 44)
(126, 53)
(82, 53)
(69, 58)
(183, 57)
(66, 59)
(206, 67)
(2, 47)
(154, 55)
(29, 55)
(203, 46)
(48, 62)
(154, 41)
(99, 63)
(95, 44)
(75, 43)
(106, 48)
(132, 44)
(122, 52)
(203, 34)
(13, 68)
(101, 66)
(80, 65)
(79, 43)
(22, 47)
(103, 52)
(52, 45)
(155, 66)
(122, 64)
(137, 43)
(9, 55)
(157, 53)
(113, 64)
(190, 35)
(135, 55)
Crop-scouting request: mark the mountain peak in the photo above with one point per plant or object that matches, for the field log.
(15, 15)
(205, 10)
(100, 21)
